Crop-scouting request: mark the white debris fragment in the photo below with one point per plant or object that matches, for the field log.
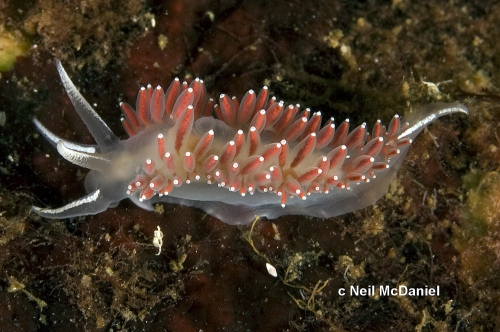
(271, 270)
(158, 239)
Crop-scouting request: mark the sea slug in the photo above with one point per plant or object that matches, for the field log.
(234, 160)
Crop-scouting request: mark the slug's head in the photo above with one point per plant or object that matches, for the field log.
(94, 157)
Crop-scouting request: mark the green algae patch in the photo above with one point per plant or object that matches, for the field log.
(476, 238)
(12, 45)
(482, 211)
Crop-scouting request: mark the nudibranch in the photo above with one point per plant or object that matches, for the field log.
(236, 159)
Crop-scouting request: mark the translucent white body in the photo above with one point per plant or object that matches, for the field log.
(115, 163)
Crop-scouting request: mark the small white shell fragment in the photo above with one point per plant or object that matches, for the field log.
(271, 270)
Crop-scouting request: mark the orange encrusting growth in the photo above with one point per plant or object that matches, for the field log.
(275, 149)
